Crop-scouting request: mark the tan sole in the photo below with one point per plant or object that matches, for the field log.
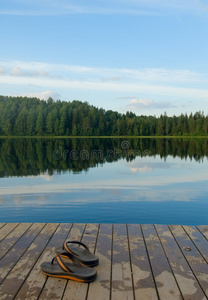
(65, 277)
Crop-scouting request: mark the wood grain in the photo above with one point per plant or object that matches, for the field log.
(136, 262)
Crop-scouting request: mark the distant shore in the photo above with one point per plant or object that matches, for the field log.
(107, 137)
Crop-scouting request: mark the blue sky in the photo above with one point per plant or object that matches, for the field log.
(146, 56)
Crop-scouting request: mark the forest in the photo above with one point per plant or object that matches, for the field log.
(23, 116)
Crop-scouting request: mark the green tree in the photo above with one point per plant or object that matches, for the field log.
(31, 122)
(21, 123)
(40, 124)
(56, 127)
(50, 123)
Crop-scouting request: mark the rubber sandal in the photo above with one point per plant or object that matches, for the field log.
(74, 271)
(84, 255)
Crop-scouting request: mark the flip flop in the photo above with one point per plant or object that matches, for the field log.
(84, 255)
(74, 271)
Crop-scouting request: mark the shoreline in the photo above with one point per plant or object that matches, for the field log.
(107, 137)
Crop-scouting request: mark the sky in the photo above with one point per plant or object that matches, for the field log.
(144, 56)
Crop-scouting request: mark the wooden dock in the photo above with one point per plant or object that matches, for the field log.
(136, 261)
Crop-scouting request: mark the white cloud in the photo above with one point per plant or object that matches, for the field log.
(43, 95)
(140, 104)
(151, 83)
(130, 7)
(2, 71)
(168, 91)
(16, 71)
(151, 75)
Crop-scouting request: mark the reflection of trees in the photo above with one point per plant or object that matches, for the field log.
(23, 157)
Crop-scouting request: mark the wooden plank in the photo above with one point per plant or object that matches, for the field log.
(122, 286)
(204, 230)
(54, 288)
(12, 256)
(33, 285)
(16, 277)
(101, 287)
(8, 242)
(2, 224)
(5, 230)
(144, 285)
(193, 256)
(198, 239)
(176, 255)
(187, 282)
(165, 281)
(76, 290)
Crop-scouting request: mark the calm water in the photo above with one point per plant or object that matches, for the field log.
(104, 180)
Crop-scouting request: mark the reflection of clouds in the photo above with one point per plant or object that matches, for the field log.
(125, 183)
(3, 199)
(17, 199)
(156, 173)
(115, 192)
(150, 165)
(153, 194)
(141, 170)
(21, 199)
(44, 176)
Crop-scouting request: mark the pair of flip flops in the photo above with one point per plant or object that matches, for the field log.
(72, 262)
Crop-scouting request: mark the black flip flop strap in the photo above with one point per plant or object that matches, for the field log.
(61, 264)
(71, 256)
(75, 242)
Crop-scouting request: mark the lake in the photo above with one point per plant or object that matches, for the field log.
(107, 180)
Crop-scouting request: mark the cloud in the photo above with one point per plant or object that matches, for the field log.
(148, 82)
(108, 7)
(43, 95)
(116, 78)
(64, 7)
(141, 104)
(151, 75)
(2, 71)
(121, 87)
(17, 71)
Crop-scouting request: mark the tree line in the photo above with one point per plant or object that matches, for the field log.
(23, 116)
(32, 157)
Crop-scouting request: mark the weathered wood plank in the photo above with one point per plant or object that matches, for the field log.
(101, 287)
(54, 288)
(194, 258)
(204, 230)
(32, 287)
(76, 290)
(14, 254)
(198, 239)
(144, 285)
(8, 242)
(165, 281)
(2, 224)
(122, 286)
(15, 279)
(187, 282)
(5, 230)
(177, 256)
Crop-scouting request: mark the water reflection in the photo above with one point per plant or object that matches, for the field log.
(124, 181)
(24, 157)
